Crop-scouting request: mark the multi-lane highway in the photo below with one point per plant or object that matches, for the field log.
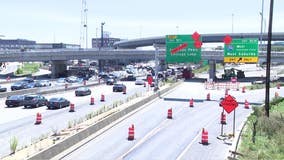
(157, 137)
(19, 122)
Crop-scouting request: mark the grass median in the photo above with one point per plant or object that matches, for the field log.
(263, 137)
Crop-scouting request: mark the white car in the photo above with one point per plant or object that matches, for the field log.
(139, 82)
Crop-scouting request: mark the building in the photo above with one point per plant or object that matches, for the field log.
(107, 42)
(56, 46)
(16, 44)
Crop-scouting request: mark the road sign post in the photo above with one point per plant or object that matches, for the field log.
(240, 50)
(229, 104)
(183, 48)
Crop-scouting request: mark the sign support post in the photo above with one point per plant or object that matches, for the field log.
(234, 123)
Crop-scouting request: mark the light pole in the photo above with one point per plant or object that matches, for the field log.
(102, 34)
(156, 66)
(261, 26)
(232, 22)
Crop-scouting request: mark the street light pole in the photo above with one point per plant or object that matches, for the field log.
(261, 26)
(102, 34)
(156, 66)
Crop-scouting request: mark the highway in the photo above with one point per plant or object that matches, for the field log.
(157, 137)
(19, 122)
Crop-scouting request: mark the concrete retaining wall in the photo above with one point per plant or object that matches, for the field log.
(65, 144)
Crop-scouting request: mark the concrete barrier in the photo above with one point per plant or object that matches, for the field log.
(44, 90)
(67, 143)
(16, 92)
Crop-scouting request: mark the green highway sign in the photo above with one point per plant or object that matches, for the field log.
(241, 51)
(183, 48)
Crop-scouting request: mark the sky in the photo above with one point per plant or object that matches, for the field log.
(49, 21)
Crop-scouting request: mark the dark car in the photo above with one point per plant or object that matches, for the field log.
(28, 80)
(14, 100)
(118, 87)
(19, 85)
(34, 101)
(110, 81)
(3, 89)
(31, 85)
(57, 102)
(82, 91)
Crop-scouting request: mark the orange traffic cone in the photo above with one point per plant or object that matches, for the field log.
(102, 97)
(204, 137)
(191, 102)
(38, 118)
(92, 101)
(72, 108)
(223, 118)
(66, 85)
(131, 133)
(170, 113)
(124, 90)
(208, 97)
(243, 89)
(278, 85)
(246, 104)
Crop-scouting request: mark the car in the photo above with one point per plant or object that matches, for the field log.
(110, 81)
(42, 83)
(3, 89)
(57, 103)
(31, 85)
(118, 87)
(14, 100)
(28, 80)
(73, 79)
(82, 91)
(34, 101)
(139, 82)
(60, 82)
(19, 85)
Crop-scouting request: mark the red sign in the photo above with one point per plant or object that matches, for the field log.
(175, 50)
(227, 39)
(150, 80)
(197, 44)
(233, 79)
(229, 104)
(195, 36)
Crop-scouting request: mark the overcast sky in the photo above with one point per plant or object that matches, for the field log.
(47, 21)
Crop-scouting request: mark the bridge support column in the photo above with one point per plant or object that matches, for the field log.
(163, 65)
(102, 63)
(212, 69)
(58, 68)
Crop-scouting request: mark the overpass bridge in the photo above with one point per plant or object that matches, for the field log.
(60, 57)
(206, 38)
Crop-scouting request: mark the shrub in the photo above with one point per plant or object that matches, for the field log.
(13, 144)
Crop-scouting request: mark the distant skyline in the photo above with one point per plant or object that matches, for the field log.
(59, 20)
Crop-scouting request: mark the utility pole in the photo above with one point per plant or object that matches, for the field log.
(268, 60)
(84, 26)
(102, 34)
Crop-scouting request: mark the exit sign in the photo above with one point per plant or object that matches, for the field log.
(241, 51)
(183, 48)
